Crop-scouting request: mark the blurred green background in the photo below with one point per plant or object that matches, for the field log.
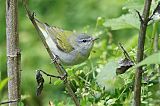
(79, 15)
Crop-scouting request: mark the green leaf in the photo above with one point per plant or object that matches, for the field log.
(134, 4)
(111, 101)
(3, 83)
(58, 82)
(152, 59)
(100, 21)
(20, 103)
(107, 77)
(125, 21)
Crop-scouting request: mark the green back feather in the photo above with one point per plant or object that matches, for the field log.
(59, 36)
(62, 39)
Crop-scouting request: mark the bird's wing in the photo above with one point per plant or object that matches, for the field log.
(59, 36)
(62, 39)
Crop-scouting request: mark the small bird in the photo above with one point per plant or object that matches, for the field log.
(71, 48)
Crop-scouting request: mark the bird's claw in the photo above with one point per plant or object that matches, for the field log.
(56, 59)
(64, 77)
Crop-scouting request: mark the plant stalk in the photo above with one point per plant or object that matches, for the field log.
(140, 52)
(58, 66)
(13, 52)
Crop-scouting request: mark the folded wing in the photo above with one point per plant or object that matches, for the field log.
(56, 36)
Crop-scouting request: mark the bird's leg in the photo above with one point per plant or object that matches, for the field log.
(65, 74)
(59, 66)
(55, 59)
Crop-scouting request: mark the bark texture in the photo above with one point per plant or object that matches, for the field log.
(58, 66)
(140, 51)
(13, 52)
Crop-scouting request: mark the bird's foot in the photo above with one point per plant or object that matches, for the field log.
(64, 77)
(55, 59)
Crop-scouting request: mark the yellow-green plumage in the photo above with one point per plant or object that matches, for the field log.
(61, 39)
(71, 48)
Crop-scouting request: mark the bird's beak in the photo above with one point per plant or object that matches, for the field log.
(95, 39)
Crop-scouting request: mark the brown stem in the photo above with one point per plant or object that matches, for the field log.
(13, 52)
(50, 74)
(124, 52)
(7, 102)
(140, 50)
(57, 65)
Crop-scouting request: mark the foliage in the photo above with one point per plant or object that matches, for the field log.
(95, 81)
(3, 83)
(124, 21)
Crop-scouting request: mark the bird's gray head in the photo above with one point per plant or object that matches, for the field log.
(84, 43)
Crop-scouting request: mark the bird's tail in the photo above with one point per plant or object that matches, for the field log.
(42, 28)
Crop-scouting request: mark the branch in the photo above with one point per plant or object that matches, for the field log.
(13, 52)
(50, 74)
(140, 17)
(140, 50)
(11, 101)
(58, 66)
(124, 52)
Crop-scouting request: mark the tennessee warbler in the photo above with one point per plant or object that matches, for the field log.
(70, 47)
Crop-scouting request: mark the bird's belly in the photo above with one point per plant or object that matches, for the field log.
(72, 58)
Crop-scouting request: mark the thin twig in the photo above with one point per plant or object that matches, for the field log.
(7, 102)
(155, 10)
(125, 52)
(50, 75)
(58, 66)
(140, 52)
(139, 15)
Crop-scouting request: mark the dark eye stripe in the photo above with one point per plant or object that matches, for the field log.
(84, 40)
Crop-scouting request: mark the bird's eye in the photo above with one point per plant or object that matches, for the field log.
(84, 40)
